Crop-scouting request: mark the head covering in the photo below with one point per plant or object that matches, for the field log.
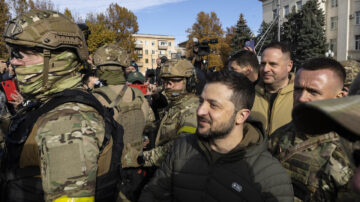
(136, 76)
(177, 68)
(341, 115)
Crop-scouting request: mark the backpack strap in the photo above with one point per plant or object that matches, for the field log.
(20, 133)
(102, 94)
(119, 96)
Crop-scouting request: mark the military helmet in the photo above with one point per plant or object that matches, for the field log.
(177, 68)
(352, 69)
(46, 29)
(111, 54)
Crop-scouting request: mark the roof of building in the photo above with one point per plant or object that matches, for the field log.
(157, 36)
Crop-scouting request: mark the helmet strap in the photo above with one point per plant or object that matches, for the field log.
(47, 55)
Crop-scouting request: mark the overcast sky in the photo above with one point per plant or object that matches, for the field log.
(172, 17)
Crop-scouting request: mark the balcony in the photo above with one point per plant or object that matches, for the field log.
(162, 46)
(139, 46)
(140, 55)
(140, 64)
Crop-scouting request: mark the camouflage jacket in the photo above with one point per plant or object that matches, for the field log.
(318, 165)
(63, 147)
(179, 119)
(68, 139)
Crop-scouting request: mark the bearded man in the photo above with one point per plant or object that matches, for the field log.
(227, 158)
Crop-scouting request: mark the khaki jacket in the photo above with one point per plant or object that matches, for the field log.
(281, 110)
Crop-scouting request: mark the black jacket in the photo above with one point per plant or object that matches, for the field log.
(193, 172)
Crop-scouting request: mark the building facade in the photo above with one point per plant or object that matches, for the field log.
(149, 47)
(342, 23)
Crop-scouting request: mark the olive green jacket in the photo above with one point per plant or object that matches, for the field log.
(281, 109)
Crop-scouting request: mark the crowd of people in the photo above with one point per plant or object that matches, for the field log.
(76, 127)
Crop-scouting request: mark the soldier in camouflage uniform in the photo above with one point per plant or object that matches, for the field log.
(318, 165)
(67, 141)
(180, 115)
(131, 109)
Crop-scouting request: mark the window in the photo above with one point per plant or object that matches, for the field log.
(274, 13)
(146, 52)
(333, 23)
(169, 43)
(357, 16)
(138, 51)
(153, 52)
(169, 52)
(153, 61)
(162, 52)
(298, 5)
(146, 42)
(334, 3)
(357, 42)
(162, 43)
(153, 43)
(332, 45)
(286, 10)
(146, 61)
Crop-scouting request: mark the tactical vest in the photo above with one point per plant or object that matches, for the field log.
(130, 116)
(306, 168)
(24, 184)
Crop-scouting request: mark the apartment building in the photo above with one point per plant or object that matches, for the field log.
(342, 23)
(149, 47)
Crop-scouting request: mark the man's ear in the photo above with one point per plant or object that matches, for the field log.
(241, 116)
(290, 65)
(248, 70)
(342, 93)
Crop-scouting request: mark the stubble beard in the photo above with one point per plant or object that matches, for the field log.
(220, 133)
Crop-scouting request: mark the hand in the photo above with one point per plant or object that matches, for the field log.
(151, 89)
(250, 49)
(18, 99)
(3, 66)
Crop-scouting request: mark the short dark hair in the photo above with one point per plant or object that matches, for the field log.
(285, 49)
(243, 89)
(325, 63)
(244, 58)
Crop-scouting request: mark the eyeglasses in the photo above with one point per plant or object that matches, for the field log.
(15, 53)
(18, 52)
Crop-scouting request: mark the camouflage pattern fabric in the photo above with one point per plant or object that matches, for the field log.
(320, 171)
(352, 68)
(69, 138)
(179, 120)
(46, 29)
(61, 76)
(133, 115)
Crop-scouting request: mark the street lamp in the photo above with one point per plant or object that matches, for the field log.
(329, 53)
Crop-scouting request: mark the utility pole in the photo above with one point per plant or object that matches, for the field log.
(278, 12)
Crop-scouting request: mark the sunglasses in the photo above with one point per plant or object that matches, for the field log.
(172, 80)
(15, 53)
